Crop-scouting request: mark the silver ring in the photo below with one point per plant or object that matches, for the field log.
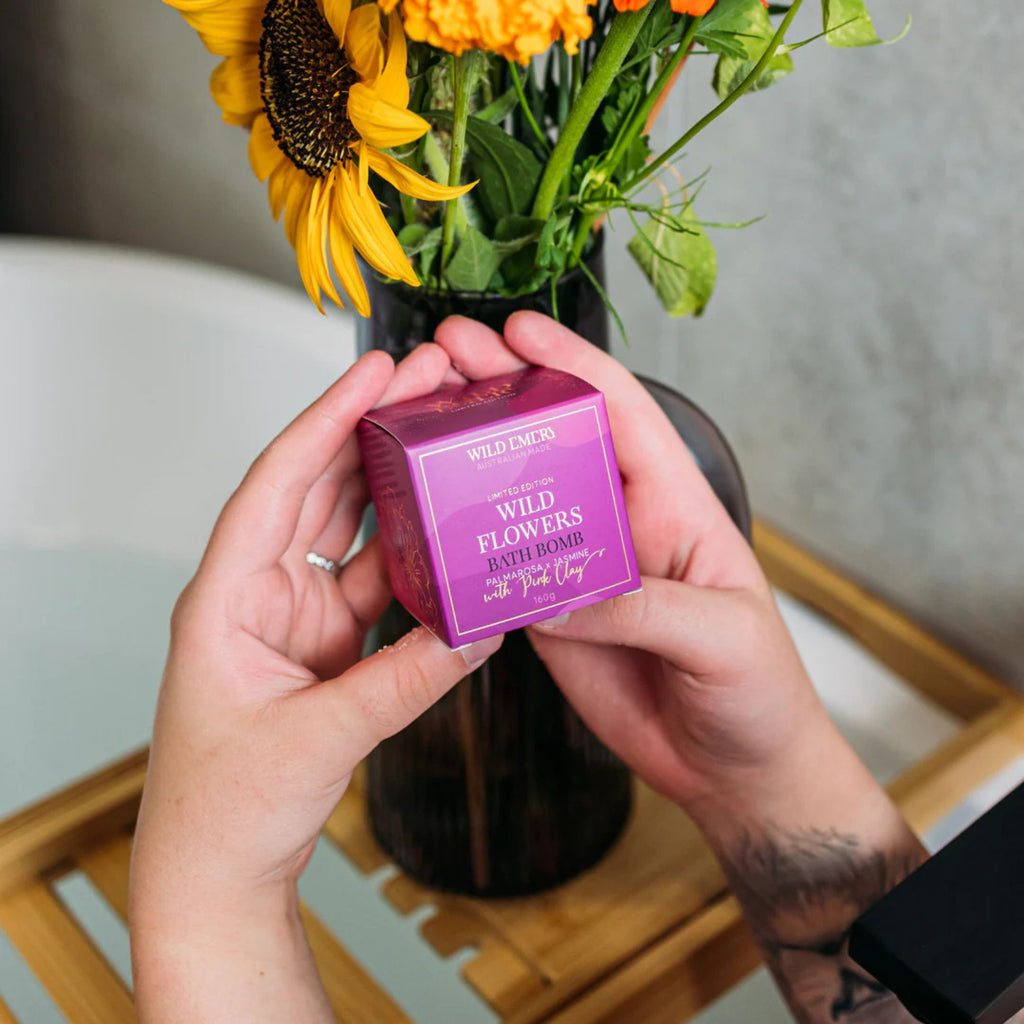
(328, 564)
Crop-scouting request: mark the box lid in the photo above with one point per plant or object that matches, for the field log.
(453, 411)
(949, 939)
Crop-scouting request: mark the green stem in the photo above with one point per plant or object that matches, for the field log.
(586, 225)
(517, 84)
(409, 208)
(621, 37)
(639, 120)
(564, 85)
(437, 164)
(462, 80)
(722, 107)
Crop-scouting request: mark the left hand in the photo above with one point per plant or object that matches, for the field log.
(265, 708)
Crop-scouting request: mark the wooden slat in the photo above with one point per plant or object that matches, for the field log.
(933, 787)
(354, 996)
(6, 1017)
(107, 866)
(38, 838)
(676, 977)
(70, 968)
(657, 876)
(496, 969)
(932, 667)
(502, 977)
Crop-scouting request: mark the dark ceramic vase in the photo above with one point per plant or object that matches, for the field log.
(500, 789)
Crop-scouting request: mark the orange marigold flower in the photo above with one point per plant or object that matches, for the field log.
(511, 28)
(698, 8)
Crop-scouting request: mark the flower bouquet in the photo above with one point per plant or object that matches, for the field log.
(437, 156)
(475, 146)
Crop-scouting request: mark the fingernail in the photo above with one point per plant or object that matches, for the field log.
(479, 651)
(554, 622)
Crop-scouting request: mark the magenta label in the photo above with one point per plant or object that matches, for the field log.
(526, 520)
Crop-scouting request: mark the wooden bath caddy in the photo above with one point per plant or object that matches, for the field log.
(650, 935)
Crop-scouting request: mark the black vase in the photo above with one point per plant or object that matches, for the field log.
(500, 789)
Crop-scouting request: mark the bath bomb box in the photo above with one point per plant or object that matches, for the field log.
(499, 503)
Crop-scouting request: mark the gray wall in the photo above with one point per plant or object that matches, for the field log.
(863, 350)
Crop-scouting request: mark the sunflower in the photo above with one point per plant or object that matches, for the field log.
(323, 89)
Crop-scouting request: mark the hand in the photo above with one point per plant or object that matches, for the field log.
(694, 682)
(265, 710)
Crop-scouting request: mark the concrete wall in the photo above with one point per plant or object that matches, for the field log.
(864, 350)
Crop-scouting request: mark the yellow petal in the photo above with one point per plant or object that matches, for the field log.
(279, 184)
(229, 29)
(195, 6)
(364, 167)
(393, 84)
(369, 230)
(303, 255)
(343, 256)
(336, 12)
(264, 155)
(296, 203)
(380, 123)
(406, 180)
(316, 241)
(363, 41)
(225, 45)
(235, 87)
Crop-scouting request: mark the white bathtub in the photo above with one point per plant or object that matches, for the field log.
(134, 391)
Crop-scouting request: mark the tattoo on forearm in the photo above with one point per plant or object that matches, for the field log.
(801, 892)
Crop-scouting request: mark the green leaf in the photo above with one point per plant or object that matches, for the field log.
(508, 171)
(516, 238)
(655, 29)
(514, 233)
(736, 28)
(516, 226)
(847, 23)
(496, 112)
(410, 237)
(550, 255)
(730, 73)
(474, 263)
(634, 159)
(420, 241)
(678, 259)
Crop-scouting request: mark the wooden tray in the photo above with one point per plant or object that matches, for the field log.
(650, 935)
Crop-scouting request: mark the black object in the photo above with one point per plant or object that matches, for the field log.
(500, 789)
(948, 941)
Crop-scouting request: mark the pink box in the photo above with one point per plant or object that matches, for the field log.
(499, 503)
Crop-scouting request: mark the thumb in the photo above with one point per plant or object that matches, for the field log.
(694, 628)
(382, 694)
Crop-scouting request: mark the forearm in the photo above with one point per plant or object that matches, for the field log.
(252, 966)
(806, 853)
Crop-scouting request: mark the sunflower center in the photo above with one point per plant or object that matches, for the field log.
(304, 81)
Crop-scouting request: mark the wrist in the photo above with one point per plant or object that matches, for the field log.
(240, 959)
(816, 781)
(170, 928)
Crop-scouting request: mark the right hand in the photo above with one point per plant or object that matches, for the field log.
(694, 681)
(696, 684)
